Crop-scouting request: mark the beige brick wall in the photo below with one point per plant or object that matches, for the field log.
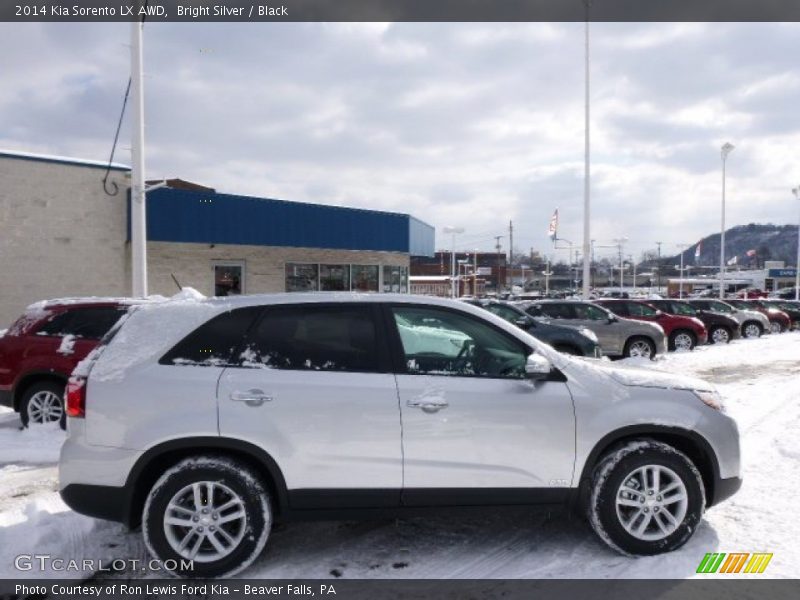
(192, 264)
(60, 234)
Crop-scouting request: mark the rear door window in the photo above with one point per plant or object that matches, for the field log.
(558, 311)
(589, 312)
(639, 310)
(314, 337)
(94, 323)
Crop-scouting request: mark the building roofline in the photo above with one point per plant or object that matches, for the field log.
(64, 160)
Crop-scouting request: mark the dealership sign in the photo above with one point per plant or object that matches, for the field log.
(782, 273)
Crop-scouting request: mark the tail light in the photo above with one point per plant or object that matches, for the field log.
(76, 397)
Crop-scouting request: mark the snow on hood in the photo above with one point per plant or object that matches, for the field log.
(633, 375)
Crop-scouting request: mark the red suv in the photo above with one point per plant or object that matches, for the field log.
(683, 332)
(779, 321)
(43, 346)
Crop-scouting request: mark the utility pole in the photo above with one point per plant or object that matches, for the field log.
(510, 253)
(138, 203)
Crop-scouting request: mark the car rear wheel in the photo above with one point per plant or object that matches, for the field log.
(640, 347)
(43, 403)
(210, 510)
(682, 340)
(719, 335)
(751, 329)
(646, 498)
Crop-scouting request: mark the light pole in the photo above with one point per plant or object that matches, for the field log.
(727, 148)
(454, 231)
(796, 192)
(620, 242)
(138, 202)
(547, 274)
(680, 285)
(586, 187)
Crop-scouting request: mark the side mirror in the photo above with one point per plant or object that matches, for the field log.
(524, 322)
(612, 318)
(659, 313)
(537, 367)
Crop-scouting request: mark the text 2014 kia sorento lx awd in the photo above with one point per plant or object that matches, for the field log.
(207, 421)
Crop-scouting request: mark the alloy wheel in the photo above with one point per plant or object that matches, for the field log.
(205, 521)
(640, 349)
(652, 502)
(775, 327)
(752, 331)
(45, 407)
(720, 336)
(684, 341)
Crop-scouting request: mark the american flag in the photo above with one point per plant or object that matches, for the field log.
(552, 230)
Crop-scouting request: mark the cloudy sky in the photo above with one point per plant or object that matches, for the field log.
(465, 124)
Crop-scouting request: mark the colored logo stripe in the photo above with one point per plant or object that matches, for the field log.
(714, 562)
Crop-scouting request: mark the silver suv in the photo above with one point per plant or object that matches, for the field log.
(619, 337)
(206, 421)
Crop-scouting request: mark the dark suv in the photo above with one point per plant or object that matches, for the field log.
(564, 339)
(43, 346)
(721, 328)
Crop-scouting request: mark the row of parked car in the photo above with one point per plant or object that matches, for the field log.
(623, 328)
(41, 349)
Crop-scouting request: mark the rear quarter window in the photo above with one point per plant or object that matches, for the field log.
(213, 343)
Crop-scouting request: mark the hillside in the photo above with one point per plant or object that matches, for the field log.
(770, 242)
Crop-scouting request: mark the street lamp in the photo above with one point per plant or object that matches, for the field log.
(454, 231)
(796, 192)
(620, 242)
(727, 148)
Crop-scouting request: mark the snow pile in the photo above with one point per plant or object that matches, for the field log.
(38, 444)
(67, 346)
(3, 332)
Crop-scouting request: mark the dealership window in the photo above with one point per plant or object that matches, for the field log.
(228, 279)
(302, 277)
(365, 278)
(334, 278)
(395, 279)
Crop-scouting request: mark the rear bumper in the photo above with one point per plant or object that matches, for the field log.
(99, 501)
(724, 489)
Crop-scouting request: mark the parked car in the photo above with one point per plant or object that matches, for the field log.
(779, 321)
(721, 328)
(618, 337)
(683, 332)
(752, 324)
(784, 294)
(43, 346)
(252, 410)
(791, 308)
(564, 339)
(751, 293)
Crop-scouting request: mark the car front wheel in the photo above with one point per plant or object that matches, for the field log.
(751, 330)
(207, 516)
(646, 498)
(43, 403)
(682, 340)
(640, 347)
(775, 327)
(719, 335)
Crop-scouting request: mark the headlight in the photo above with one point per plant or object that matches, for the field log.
(712, 399)
(589, 334)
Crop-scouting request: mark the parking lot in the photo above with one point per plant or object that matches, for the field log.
(756, 377)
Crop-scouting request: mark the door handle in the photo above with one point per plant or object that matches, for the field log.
(428, 406)
(254, 397)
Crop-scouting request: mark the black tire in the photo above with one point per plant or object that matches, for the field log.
(779, 329)
(251, 530)
(28, 415)
(673, 338)
(635, 342)
(618, 467)
(752, 329)
(719, 334)
(567, 349)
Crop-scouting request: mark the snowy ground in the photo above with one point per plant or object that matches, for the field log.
(758, 378)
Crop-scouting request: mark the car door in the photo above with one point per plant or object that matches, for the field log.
(605, 325)
(471, 421)
(314, 389)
